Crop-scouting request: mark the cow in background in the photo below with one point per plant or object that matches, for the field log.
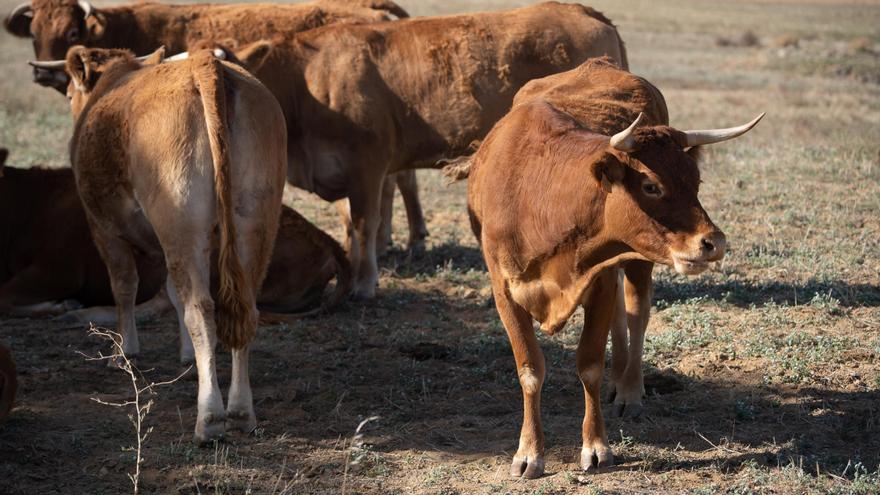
(56, 25)
(51, 265)
(363, 101)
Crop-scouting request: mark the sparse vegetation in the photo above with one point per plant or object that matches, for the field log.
(762, 375)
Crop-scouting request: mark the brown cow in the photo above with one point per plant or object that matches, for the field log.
(51, 263)
(56, 25)
(556, 208)
(367, 100)
(177, 158)
(8, 383)
(605, 99)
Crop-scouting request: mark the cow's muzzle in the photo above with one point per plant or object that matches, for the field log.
(51, 78)
(709, 247)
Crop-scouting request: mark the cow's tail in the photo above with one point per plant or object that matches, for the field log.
(595, 14)
(456, 169)
(236, 321)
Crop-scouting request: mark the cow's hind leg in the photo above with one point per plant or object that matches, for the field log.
(598, 311)
(365, 199)
(386, 222)
(630, 385)
(187, 351)
(409, 191)
(121, 267)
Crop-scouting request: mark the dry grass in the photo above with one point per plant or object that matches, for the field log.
(763, 376)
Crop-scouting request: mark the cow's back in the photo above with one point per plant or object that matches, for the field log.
(448, 79)
(601, 96)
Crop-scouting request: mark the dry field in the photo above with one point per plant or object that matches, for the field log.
(763, 375)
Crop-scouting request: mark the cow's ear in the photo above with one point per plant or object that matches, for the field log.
(79, 69)
(18, 23)
(95, 25)
(695, 152)
(607, 170)
(155, 58)
(253, 56)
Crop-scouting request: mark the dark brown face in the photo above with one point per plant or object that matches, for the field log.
(53, 26)
(654, 208)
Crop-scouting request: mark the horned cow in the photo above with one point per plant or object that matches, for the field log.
(577, 204)
(218, 158)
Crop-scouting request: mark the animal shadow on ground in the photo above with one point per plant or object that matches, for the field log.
(438, 372)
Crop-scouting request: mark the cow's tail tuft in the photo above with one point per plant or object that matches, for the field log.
(236, 318)
(456, 169)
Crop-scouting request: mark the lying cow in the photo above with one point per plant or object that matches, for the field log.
(605, 99)
(367, 100)
(52, 265)
(56, 25)
(575, 205)
(163, 154)
(8, 383)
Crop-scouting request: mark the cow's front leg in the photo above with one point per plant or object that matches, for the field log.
(598, 311)
(630, 385)
(528, 461)
(365, 222)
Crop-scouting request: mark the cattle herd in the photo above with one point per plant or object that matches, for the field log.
(189, 120)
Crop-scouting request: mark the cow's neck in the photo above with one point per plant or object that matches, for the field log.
(137, 28)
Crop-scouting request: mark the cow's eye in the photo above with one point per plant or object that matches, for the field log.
(72, 34)
(651, 190)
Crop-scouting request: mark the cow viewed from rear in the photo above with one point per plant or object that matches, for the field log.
(556, 208)
(163, 154)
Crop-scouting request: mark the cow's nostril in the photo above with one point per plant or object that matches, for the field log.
(708, 245)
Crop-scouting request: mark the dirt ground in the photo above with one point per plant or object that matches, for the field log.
(762, 376)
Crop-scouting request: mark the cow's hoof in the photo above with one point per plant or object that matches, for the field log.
(594, 458)
(364, 292)
(243, 421)
(627, 410)
(209, 427)
(416, 247)
(529, 468)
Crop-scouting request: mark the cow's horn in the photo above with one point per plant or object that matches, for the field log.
(48, 64)
(21, 9)
(624, 140)
(698, 138)
(218, 53)
(87, 8)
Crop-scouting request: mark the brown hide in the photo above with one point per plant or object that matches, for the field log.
(56, 25)
(52, 257)
(46, 251)
(572, 205)
(600, 96)
(409, 92)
